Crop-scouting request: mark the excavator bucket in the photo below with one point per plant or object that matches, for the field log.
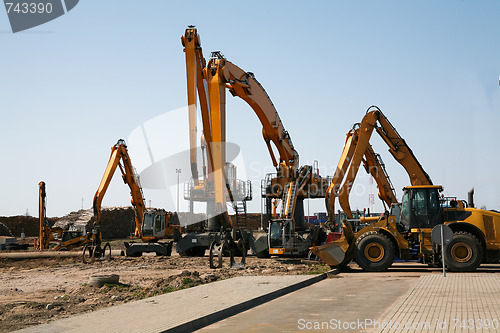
(339, 252)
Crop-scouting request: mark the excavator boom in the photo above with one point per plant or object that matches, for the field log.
(209, 82)
(373, 165)
(244, 85)
(119, 154)
(375, 119)
(196, 84)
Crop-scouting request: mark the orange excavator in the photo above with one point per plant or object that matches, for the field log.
(151, 225)
(290, 184)
(46, 234)
(406, 231)
(66, 240)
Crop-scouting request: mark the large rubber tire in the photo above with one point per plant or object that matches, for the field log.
(464, 253)
(374, 252)
(100, 280)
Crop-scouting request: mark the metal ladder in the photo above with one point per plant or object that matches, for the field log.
(288, 200)
(240, 210)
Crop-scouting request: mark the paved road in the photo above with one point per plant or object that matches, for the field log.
(344, 299)
(352, 300)
(183, 310)
(348, 302)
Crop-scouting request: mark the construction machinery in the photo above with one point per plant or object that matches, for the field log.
(215, 188)
(290, 184)
(66, 240)
(374, 166)
(405, 231)
(151, 225)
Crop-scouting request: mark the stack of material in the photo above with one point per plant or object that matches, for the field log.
(15, 225)
(75, 220)
(4, 230)
(253, 221)
(116, 222)
(194, 223)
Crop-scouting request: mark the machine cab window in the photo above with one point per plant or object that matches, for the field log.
(159, 223)
(420, 207)
(147, 226)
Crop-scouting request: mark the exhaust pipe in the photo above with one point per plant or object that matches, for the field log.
(471, 198)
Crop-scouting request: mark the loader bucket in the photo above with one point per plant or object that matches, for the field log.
(337, 252)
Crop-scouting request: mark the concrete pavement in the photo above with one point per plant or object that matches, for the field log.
(401, 300)
(324, 306)
(455, 303)
(407, 298)
(184, 310)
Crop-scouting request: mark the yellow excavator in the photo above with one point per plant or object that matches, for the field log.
(151, 225)
(291, 184)
(67, 239)
(46, 233)
(374, 166)
(406, 231)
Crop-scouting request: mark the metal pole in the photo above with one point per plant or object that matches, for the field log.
(442, 250)
(261, 212)
(178, 171)
(308, 211)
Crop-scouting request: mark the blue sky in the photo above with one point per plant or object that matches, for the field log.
(72, 87)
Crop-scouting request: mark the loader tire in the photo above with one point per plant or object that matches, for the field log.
(374, 252)
(464, 253)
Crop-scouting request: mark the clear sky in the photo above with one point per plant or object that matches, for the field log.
(72, 87)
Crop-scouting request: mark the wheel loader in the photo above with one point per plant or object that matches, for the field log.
(405, 231)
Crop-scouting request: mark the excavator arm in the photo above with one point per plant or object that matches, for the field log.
(209, 82)
(221, 74)
(196, 86)
(244, 85)
(373, 165)
(119, 154)
(358, 150)
(375, 119)
(46, 231)
(338, 176)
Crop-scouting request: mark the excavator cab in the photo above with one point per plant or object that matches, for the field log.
(280, 235)
(154, 223)
(69, 235)
(420, 208)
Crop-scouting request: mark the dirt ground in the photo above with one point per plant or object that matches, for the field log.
(36, 291)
